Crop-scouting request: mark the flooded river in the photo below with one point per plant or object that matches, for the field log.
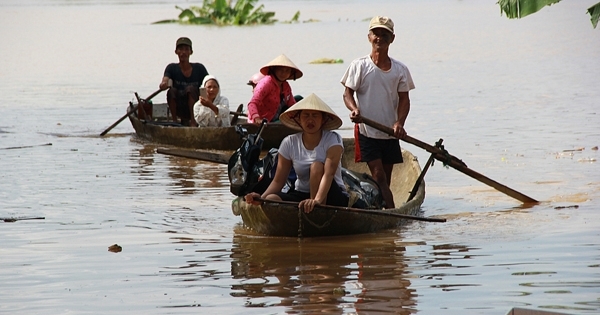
(516, 100)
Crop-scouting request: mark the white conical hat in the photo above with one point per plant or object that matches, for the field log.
(282, 61)
(311, 102)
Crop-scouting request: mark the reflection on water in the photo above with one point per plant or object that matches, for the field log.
(516, 99)
(188, 176)
(326, 275)
(145, 156)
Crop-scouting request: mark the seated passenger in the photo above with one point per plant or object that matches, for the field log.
(212, 110)
(315, 154)
(273, 94)
(254, 79)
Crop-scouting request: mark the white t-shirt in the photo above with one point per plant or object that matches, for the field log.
(377, 92)
(293, 149)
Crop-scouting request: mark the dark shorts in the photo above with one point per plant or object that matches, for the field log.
(181, 98)
(388, 150)
(335, 197)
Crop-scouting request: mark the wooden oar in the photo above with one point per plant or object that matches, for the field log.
(129, 112)
(413, 191)
(238, 112)
(209, 156)
(453, 162)
(26, 146)
(21, 219)
(358, 210)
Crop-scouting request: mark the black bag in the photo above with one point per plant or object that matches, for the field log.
(266, 168)
(242, 167)
(366, 189)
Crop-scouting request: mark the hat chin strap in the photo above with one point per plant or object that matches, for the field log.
(325, 121)
(296, 119)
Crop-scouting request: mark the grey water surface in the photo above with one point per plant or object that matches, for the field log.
(516, 100)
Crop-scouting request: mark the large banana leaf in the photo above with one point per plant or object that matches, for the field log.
(516, 9)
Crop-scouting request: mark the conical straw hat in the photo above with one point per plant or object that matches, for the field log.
(282, 61)
(311, 102)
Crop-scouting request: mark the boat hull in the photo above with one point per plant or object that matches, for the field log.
(276, 219)
(207, 138)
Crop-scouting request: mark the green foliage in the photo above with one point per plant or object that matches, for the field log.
(327, 60)
(516, 9)
(594, 12)
(295, 17)
(221, 12)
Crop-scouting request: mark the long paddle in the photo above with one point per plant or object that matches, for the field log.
(238, 114)
(357, 210)
(453, 162)
(21, 219)
(25, 146)
(129, 112)
(209, 156)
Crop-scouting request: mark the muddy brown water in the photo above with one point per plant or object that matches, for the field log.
(517, 100)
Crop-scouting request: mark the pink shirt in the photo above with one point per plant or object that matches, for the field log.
(266, 98)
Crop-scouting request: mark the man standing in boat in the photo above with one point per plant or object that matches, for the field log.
(186, 78)
(381, 85)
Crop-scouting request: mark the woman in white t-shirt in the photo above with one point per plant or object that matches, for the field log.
(315, 154)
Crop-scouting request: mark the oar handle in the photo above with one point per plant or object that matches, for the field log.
(427, 147)
(238, 114)
(151, 96)
(358, 210)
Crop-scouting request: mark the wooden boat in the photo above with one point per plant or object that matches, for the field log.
(277, 219)
(161, 131)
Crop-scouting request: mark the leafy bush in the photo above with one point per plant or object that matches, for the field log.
(516, 9)
(221, 12)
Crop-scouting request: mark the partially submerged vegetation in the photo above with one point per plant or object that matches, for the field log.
(222, 12)
(245, 12)
(516, 9)
(327, 60)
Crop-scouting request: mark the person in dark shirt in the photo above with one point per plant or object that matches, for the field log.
(183, 80)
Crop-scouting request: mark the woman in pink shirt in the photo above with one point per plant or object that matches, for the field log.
(273, 94)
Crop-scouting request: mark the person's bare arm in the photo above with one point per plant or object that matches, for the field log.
(284, 166)
(165, 83)
(334, 155)
(403, 110)
(350, 103)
